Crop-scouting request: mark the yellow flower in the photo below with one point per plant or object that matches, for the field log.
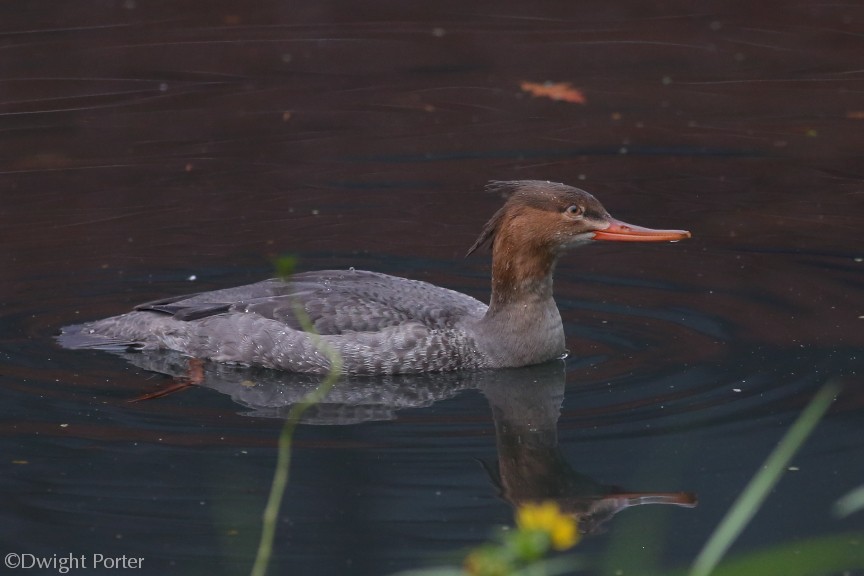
(547, 517)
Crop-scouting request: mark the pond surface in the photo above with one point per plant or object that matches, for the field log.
(150, 150)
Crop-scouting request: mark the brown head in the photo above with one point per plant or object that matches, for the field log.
(538, 221)
(549, 217)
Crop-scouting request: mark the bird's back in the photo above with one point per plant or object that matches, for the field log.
(334, 302)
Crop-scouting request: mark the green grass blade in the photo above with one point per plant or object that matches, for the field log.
(835, 554)
(283, 459)
(274, 500)
(749, 501)
(850, 503)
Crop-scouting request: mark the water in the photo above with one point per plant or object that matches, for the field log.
(144, 146)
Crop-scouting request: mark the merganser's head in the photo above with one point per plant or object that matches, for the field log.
(553, 216)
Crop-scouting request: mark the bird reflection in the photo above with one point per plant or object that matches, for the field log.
(530, 465)
(525, 402)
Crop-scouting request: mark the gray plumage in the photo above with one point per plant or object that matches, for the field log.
(379, 324)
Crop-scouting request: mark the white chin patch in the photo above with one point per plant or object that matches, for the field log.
(580, 240)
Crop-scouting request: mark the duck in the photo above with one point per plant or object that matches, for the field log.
(382, 324)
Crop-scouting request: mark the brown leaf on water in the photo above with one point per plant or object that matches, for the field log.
(561, 91)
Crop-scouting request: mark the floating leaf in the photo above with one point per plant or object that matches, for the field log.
(560, 91)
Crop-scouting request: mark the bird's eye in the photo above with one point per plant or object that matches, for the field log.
(574, 210)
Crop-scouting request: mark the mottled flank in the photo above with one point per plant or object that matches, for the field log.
(382, 324)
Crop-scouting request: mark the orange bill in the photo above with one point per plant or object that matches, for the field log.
(622, 232)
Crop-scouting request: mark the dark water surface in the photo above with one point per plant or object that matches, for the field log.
(151, 149)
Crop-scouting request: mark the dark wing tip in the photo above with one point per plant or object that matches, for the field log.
(185, 312)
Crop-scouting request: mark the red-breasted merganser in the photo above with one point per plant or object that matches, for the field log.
(382, 324)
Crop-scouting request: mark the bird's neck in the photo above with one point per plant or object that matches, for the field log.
(521, 277)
